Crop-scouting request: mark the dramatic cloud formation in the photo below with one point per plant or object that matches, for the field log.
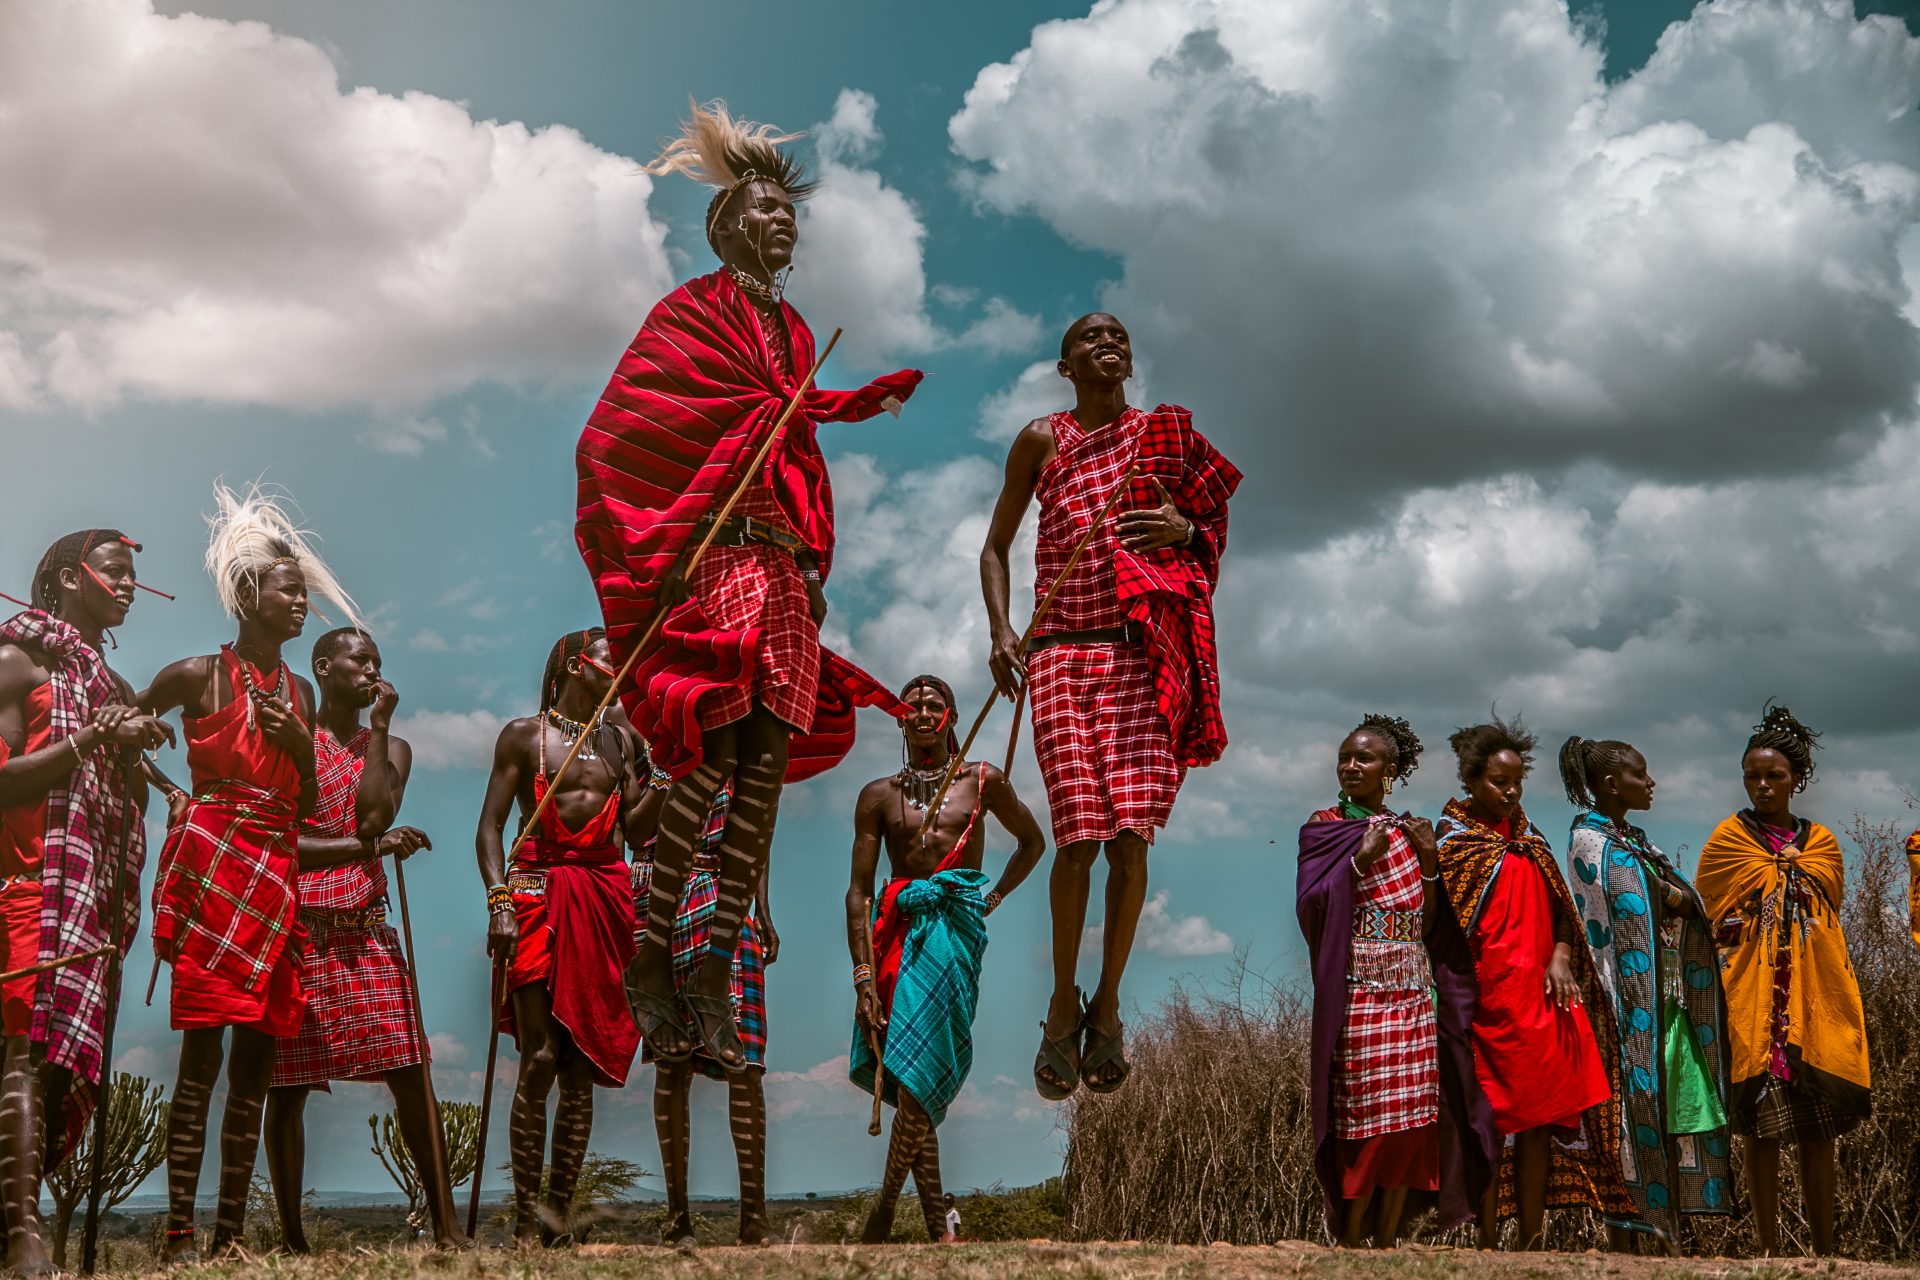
(1394, 248)
(1165, 934)
(1593, 401)
(196, 209)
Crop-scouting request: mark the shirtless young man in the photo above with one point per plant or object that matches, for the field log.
(561, 919)
(931, 989)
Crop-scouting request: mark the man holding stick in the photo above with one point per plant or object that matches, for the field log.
(361, 1021)
(561, 916)
(1123, 670)
(734, 681)
(916, 956)
(67, 722)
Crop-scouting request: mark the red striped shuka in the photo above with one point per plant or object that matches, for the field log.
(692, 401)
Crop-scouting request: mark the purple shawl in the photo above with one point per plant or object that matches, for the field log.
(1324, 901)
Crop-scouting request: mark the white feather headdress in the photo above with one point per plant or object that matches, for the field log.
(250, 534)
(725, 153)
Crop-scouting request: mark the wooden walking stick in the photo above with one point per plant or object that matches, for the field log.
(435, 1134)
(48, 966)
(486, 1096)
(873, 1035)
(660, 605)
(115, 914)
(1026, 637)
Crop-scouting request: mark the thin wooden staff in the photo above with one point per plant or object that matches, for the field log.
(435, 1135)
(486, 1096)
(660, 605)
(1020, 650)
(114, 913)
(1013, 735)
(48, 966)
(873, 1034)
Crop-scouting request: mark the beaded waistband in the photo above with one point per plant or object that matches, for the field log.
(1383, 925)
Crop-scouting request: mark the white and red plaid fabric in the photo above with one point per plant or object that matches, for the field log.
(350, 886)
(86, 819)
(757, 591)
(1116, 725)
(1102, 745)
(359, 1022)
(225, 892)
(1386, 1073)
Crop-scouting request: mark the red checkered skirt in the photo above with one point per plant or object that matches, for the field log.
(1104, 748)
(1387, 1067)
(757, 592)
(359, 1022)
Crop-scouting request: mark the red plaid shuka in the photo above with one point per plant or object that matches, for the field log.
(1387, 1073)
(85, 818)
(359, 1022)
(223, 904)
(686, 410)
(1117, 725)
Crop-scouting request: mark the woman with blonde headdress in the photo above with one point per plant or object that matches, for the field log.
(224, 900)
(735, 683)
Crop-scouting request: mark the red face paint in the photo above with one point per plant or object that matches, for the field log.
(601, 667)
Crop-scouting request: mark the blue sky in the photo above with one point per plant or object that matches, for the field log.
(1569, 372)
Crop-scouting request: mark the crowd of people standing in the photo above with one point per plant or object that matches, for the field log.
(1499, 1038)
(1492, 1038)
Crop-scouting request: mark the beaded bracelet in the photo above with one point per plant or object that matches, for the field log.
(993, 899)
(862, 973)
(499, 897)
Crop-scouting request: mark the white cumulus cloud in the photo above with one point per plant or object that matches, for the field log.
(197, 209)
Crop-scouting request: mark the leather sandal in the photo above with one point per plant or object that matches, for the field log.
(1100, 1049)
(713, 1023)
(1053, 1058)
(652, 1013)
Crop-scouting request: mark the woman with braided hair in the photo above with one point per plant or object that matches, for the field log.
(1543, 1032)
(1772, 883)
(1653, 949)
(1395, 1105)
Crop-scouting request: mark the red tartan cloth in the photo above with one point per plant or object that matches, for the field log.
(224, 898)
(359, 1020)
(23, 831)
(1169, 591)
(692, 400)
(349, 886)
(1116, 725)
(1386, 1071)
(359, 1023)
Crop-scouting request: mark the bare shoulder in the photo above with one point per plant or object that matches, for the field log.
(1035, 442)
(21, 670)
(873, 795)
(516, 738)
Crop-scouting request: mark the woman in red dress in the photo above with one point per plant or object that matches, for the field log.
(1545, 1050)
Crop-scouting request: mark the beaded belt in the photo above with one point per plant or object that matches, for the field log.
(741, 531)
(365, 918)
(1387, 926)
(527, 884)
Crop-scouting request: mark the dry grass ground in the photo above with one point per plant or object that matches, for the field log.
(1032, 1261)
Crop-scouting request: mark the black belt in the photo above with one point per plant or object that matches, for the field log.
(1129, 632)
(741, 531)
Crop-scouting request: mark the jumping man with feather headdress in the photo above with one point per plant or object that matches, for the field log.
(736, 682)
